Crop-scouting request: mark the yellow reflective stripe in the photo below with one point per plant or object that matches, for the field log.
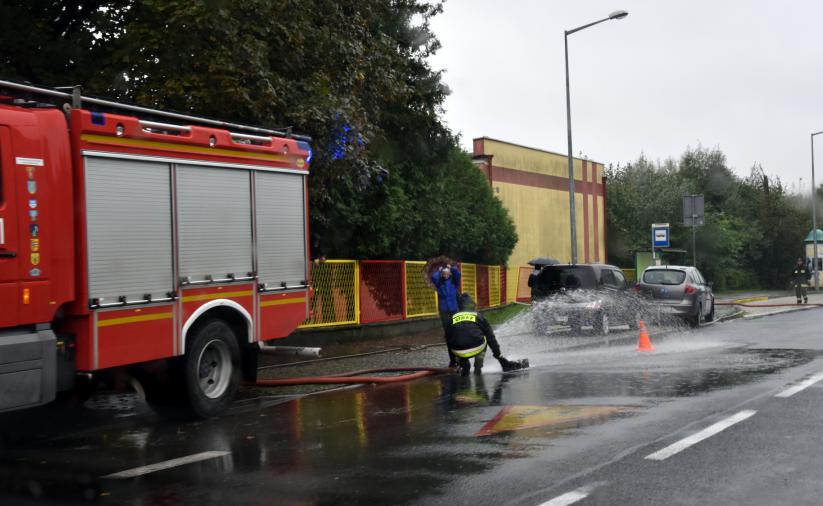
(471, 351)
(218, 295)
(183, 147)
(277, 302)
(464, 317)
(134, 319)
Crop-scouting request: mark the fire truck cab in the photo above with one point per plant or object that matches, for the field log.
(165, 250)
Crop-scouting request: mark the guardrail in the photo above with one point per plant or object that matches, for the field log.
(352, 292)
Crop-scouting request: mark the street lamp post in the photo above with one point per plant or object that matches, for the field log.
(572, 217)
(814, 218)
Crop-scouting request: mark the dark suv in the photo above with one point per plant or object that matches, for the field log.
(581, 294)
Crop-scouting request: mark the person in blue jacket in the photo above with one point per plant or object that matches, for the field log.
(447, 282)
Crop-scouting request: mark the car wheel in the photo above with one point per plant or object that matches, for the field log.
(575, 325)
(697, 318)
(710, 316)
(212, 370)
(539, 325)
(634, 323)
(601, 323)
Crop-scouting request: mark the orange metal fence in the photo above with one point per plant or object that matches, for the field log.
(482, 283)
(468, 279)
(382, 291)
(349, 292)
(336, 298)
(420, 299)
(524, 292)
(495, 282)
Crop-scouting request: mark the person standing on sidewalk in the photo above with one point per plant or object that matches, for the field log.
(447, 282)
(800, 280)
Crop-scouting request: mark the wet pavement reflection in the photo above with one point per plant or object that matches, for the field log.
(383, 444)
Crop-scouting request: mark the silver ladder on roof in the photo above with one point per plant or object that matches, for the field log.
(77, 100)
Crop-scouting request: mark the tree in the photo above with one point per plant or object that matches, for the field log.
(753, 229)
(352, 74)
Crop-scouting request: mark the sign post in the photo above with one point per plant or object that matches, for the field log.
(693, 216)
(660, 239)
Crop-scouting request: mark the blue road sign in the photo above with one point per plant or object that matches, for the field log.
(660, 235)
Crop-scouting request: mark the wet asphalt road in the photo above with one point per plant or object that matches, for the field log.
(578, 425)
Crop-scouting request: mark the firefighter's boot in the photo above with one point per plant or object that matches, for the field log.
(465, 366)
(478, 363)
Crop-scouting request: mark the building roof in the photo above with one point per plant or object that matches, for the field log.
(810, 238)
(535, 149)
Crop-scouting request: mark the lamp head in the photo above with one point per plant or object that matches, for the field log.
(618, 15)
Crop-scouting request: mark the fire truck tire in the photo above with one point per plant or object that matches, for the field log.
(83, 390)
(211, 372)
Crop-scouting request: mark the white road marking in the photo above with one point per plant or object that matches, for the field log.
(167, 464)
(569, 497)
(801, 386)
(697, 437)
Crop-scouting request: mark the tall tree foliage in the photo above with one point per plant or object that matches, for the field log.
(754, 228)
(387, 179)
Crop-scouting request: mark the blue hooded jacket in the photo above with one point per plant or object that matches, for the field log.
(448, 290)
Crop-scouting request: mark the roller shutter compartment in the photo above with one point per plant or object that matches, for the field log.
(281, 223)
(214, 222)
(128, 212)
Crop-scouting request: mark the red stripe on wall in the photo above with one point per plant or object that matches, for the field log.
(521, 177)
(596, 213)
(605, 224)
(585, 191)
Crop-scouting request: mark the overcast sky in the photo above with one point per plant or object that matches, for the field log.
(745, 76)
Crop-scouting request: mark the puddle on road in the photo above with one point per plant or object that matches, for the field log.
(670, 379)
(340, 444)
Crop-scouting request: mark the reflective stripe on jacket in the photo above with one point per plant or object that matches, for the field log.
(470, 334)
(471, 352)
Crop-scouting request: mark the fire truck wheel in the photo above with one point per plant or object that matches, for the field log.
(211, 372)
(83, 390)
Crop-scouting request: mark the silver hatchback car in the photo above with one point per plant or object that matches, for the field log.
(679, 290)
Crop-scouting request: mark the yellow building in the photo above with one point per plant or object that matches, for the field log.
(533, 185)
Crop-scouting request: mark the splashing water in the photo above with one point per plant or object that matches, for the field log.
(575, 319)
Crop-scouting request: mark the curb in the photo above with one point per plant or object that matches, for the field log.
(780, 311)
(732, 316)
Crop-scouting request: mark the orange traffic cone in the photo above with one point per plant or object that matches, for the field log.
(644, 344)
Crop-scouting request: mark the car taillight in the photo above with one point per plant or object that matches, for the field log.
(690, 289)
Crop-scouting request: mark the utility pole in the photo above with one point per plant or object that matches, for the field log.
(572, 212)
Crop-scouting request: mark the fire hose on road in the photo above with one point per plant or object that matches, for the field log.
(746, 304)
(355, 377)
(370, 375)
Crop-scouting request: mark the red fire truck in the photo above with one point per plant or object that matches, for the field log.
(143, 242)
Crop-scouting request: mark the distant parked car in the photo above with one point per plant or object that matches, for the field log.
(581, 295)
(679, 290)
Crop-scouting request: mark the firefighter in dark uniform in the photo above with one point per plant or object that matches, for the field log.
(470, 335)
(800, 280)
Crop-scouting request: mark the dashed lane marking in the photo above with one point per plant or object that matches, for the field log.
(697, 437)
(167, 464)
(801, 386)
(570, 497)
